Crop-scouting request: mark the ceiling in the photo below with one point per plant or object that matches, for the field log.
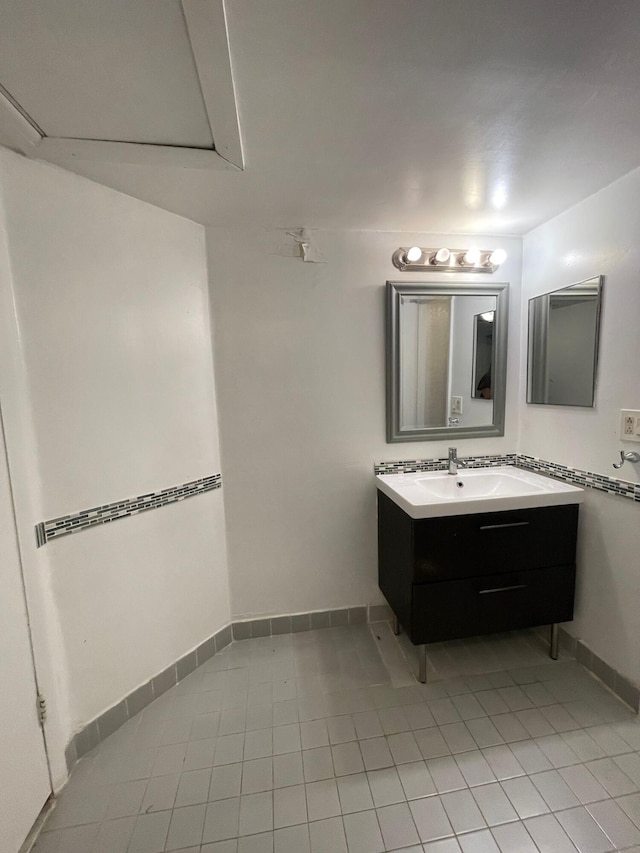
(113, 71)
(408, 115)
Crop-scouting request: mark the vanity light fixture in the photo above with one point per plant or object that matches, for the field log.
(497, 257)
(417, 259)
(471, 258)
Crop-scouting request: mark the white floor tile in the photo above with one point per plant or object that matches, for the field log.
(327, 836)
(524, 797)
(397, 826)
(548, 835)
(363, 833)
(494, 804)
(305, 744)
(584, 831)
(462, 811)
(386, 787)
(430, 818)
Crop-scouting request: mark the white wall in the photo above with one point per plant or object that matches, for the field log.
(598, 236)
(24, 777)
(299, 351)
(109, 394)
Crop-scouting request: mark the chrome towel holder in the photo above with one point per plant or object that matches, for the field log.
(627, 456)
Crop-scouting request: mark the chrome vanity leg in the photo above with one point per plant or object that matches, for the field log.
(553, 645)
(395, 625)
(422, 663)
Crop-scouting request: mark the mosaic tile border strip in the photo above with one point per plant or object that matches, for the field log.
(412, 466)
(105, 514)
(575, 476)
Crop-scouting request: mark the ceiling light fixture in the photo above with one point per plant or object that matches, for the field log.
(441, 259)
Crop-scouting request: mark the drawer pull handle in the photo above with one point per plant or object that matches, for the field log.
(501, 589)
(511, 524)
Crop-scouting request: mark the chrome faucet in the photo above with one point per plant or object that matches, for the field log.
(454, 461)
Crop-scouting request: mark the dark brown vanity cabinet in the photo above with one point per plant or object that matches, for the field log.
(459, 576)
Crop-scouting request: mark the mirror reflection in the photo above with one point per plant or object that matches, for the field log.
(482, 354)
(563, 345)
(441, 364)
(443, 350)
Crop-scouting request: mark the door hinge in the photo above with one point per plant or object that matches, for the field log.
(42, 709)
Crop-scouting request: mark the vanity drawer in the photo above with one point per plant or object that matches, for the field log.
(490, 543)
(494, 603)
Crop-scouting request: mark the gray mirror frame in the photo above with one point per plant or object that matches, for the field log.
(531, 342)
(394, 291)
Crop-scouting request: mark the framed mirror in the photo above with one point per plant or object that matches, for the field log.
(563, 345)
(434, 359)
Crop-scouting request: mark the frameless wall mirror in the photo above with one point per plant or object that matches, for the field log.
(563, 345)
(446, 360)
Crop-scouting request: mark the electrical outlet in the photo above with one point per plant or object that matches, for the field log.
(456, 405)
(629, 425)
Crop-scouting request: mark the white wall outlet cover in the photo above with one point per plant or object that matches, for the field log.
(456, 405)
(629, 425)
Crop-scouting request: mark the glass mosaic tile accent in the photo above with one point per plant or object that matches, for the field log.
(107, 513)
(411, 466)
(575, 476)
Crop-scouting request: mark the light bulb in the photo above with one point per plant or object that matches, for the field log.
(471, 257)
(497, 257)
(442, 256)
(413, 254)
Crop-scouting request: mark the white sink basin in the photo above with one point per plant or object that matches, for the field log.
(427, 495)
(478, 484)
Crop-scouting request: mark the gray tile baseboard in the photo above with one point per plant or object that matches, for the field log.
(296, 622)
(107, 723)
(270, 627)
(617, 683)
(111, 720)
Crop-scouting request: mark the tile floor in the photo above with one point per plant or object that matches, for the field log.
(323, 742)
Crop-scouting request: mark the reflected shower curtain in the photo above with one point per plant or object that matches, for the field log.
(424, 361)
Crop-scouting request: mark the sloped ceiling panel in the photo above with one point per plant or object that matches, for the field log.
(122, 72)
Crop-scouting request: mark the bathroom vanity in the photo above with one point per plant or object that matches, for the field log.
(482, 551)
